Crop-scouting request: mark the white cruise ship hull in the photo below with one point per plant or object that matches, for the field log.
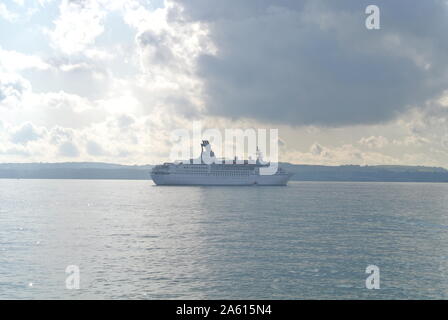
(203, 180)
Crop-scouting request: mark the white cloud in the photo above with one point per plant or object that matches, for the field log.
(374, 141)
(68, 149)
(26, 132)
(337, 155)
(78, 25)
(413, 140)
(43, 3)
(95, 149)
(74, 67)
(6, 14)
(98, 54)
(13, 61)
(13, 89)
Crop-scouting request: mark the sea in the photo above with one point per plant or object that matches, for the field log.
(123, 239)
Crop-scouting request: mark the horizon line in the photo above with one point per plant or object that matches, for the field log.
(285, 162)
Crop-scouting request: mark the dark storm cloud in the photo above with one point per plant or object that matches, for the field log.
(314, 62)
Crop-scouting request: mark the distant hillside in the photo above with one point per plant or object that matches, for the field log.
(74, 170)
(367, 173)
(98, 170)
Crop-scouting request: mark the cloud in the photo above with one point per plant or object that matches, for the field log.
(94, 149)
(157, 46)
(13, 88)
(26, 133)
(11, 61)
(63, 109)
(336, 155)
(167, 51)
(59, 135)
(374, 141)
(6, 14)
(14, 151)
(78, 25)
(124, 121)
(316, 149)
(119, 76)
(411, 141)
(19, 2)
(314, 62)
(68, 149)
(75, 67)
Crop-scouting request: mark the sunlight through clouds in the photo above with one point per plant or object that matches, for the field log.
(113, 78)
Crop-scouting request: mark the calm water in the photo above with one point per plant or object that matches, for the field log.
(133, 240)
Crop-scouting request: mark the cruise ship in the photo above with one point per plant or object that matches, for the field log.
(207, 171)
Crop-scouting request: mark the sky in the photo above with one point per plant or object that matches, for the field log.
(111, 80)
